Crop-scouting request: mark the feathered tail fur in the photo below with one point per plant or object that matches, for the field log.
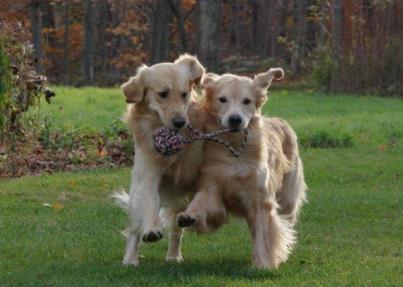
(121, 199)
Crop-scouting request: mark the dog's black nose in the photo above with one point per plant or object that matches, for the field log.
(178, 122)
(235, 121)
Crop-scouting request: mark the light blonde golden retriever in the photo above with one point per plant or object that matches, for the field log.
(160, 95)
(265, 185)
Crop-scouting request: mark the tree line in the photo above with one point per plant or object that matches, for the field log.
(341, 45)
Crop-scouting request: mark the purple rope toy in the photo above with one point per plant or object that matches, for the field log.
(168, 141)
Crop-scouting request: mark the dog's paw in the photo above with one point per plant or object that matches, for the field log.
(264, 263)
(185, 220)
(152, 236)
(132, 262)
(177, 259)
(266, 266)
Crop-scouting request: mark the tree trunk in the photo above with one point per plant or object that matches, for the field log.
(261, 27)
(323, 29)
(160, 31)
(300, 9)
(178, 11)
(275, 26)
(235, 27)
(50, 40)
(48, 14)
(209, 33)
(282, 21)
(311, 28)
(103, 8)
(36, 24)
(337, 34)
(66, 21)
(89, 43)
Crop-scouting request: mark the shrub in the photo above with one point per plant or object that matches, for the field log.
(322, 67)
(322, 139)
(5, 82)
(392, 76)
(21, 87)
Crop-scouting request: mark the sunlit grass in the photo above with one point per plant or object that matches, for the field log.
(349, 234)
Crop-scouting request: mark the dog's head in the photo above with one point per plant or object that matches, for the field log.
(165, 88)
(235, 100)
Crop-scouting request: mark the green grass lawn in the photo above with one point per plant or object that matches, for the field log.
(83, 109)
(349, 234)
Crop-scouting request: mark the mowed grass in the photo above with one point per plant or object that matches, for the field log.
(86, 109)
(349, 234)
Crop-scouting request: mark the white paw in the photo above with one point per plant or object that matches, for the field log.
(263, 263)
(131, 262)
(177, 259)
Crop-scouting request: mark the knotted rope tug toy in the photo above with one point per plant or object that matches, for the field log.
(168, 141)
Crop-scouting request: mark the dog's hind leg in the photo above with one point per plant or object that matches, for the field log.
(168, 215)
(292, 194)
(175, 240)
(132, 249)
(272, 236)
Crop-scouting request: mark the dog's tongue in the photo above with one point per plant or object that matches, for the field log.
(168, 141)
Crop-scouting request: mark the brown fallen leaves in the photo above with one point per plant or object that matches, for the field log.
(34, 155)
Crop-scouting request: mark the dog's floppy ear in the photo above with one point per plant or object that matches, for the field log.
(134, 89)
(262, 81)
(193, 66)
(209, 80)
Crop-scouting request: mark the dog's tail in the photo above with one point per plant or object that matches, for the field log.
(121, 199)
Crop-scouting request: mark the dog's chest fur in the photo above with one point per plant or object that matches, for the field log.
(180, 170)
(242, 177)
(258, 170)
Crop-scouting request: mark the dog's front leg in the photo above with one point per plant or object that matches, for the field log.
(145, 198)
(206, 212)
(144, 205)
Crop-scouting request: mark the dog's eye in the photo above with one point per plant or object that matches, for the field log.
(222, 99)
(184, 95)
(246, 101)
(163, 94)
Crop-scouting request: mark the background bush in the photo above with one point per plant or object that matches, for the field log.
(21, 86)
(5, 82)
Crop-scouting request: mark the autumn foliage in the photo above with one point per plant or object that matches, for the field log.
(347, 45)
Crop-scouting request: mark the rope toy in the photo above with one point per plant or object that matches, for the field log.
(168, 141)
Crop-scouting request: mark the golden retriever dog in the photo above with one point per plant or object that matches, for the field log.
(160, 95)
(265, 185)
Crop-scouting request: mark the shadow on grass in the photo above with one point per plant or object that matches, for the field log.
(151, 272)
(222, 267)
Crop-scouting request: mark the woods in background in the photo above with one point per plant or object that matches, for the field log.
(343, 45)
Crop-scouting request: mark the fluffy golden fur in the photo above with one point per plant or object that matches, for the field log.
(160, 95)
(265, 185)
